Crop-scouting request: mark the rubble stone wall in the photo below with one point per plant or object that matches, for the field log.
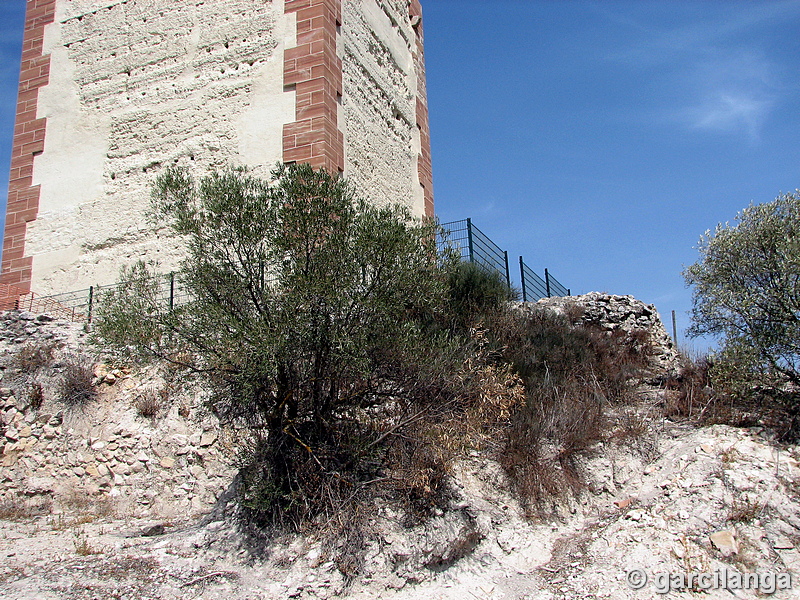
(613, 312)
(105, 453)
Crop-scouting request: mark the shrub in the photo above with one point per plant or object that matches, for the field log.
(310, 311)
(474, 291)
(570, 373)
(148, 404)
(721, 390)
(35, 394)
(354, 353)
(76, 385)
(689, 393)
(34, 356)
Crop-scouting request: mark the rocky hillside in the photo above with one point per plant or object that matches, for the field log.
(123, 495)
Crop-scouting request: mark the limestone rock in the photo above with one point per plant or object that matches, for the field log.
(208, 438)
(40, 485)
(783, 543)
(725, 541)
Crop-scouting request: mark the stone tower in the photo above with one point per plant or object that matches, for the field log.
(112, 91)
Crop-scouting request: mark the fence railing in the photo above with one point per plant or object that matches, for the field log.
(472, 244)
(475, 246)
(81, 305)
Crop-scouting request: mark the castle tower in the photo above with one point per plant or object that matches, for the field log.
(113, 91)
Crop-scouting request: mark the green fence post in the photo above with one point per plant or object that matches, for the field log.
(522, 278)
(508, 273)
(547, 281)
(91, 298)
(469, 238)
(171, 290)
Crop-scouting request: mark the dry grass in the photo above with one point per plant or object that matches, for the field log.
(542, 451)
(700, 394)
(17, 509)
(61, 522)
(76, 386)
(730, 456)
(572, 373)
(34, 356)
(29, 368)
(148, 404)
(34, 394)
(82, 545)
(689, 393)
(635, 431)
(86, 508)
(744, 510)
(133, 567)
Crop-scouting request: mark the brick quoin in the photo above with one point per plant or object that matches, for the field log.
(314, 71)
(424, 165)
(23, 196)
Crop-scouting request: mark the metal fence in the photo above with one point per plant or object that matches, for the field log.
(472, 244)
(554, 288)
(80, 305)
(475, 246)
(533, 286)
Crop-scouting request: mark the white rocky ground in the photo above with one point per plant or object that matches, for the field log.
(668, 499)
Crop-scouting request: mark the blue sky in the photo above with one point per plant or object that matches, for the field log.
(597, 139)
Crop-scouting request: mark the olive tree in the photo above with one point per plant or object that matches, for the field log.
(308, 308)
(747, 287)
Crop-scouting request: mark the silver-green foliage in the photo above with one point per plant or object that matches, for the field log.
(307, 307)
(747, 288)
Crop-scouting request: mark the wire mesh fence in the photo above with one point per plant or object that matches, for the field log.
(554, 288)
(475, 246)
(472, 244)
(533, 286)
(81, 305)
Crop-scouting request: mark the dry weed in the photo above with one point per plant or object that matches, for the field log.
(76, 387)
(690, 391)
(744, 510)
(14, 508)
(34, 394)
(34, 356)
(87, 508)
(82, 545)
(571, 372)
(148, 404)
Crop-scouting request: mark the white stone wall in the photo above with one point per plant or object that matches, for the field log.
(378, 115)
(137, 85)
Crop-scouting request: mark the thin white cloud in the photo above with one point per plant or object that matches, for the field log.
(729, 113)
(709, 72)
(733, 91)
(705, 27)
